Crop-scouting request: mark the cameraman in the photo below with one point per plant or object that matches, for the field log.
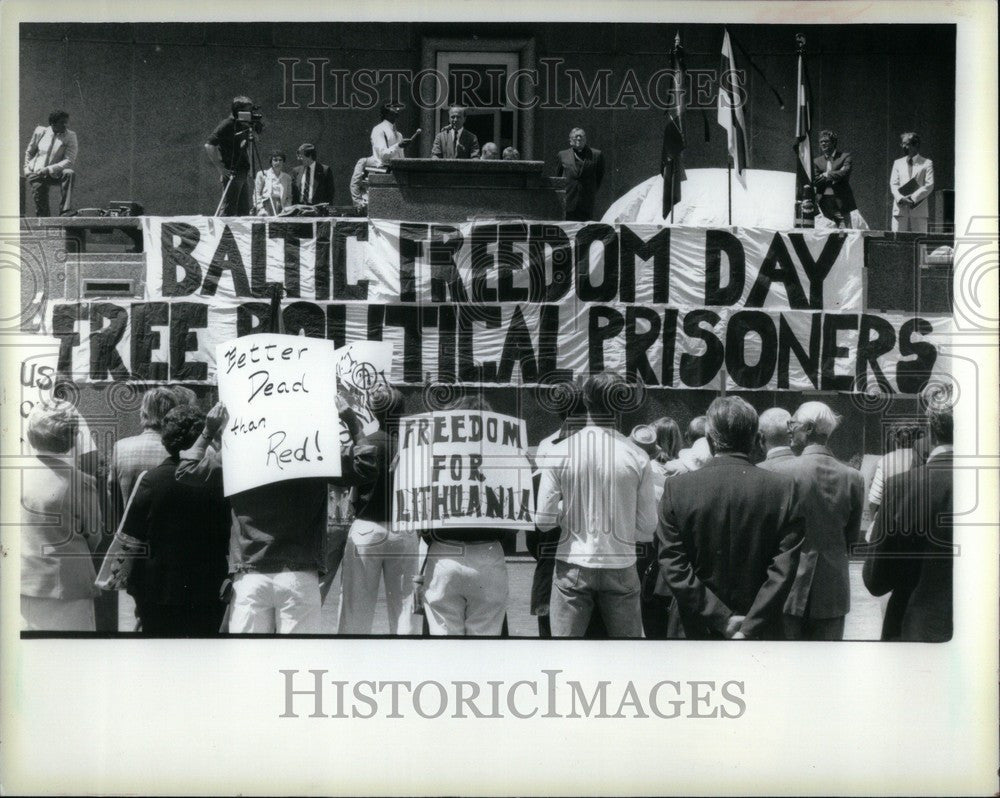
(228, 150)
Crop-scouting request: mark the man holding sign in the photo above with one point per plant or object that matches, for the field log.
(464, 482)
(279, 449)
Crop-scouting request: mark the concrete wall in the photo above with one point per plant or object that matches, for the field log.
(143, 98)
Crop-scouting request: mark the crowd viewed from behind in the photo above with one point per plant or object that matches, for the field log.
(741, 528)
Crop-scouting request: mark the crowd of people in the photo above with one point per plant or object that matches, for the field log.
(742, 527)
(273, 190)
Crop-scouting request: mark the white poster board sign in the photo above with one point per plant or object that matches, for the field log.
(280, 391)
(462, 468)
(361, 366)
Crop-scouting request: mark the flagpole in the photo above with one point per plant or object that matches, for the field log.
(729, 187)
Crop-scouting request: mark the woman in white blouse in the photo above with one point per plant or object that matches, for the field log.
(272, 190)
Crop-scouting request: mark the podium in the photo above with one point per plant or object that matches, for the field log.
(438, 190)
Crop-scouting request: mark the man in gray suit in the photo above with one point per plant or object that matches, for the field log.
(775, 437)
(831, 496)
(454, 141)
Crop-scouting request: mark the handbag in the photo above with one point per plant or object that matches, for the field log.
(122, 552)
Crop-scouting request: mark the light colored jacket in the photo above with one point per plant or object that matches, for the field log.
(60, 526)
(266, 186)
(923, 171)
(46, 148)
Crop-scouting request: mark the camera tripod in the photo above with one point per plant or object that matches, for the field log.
(247, 129)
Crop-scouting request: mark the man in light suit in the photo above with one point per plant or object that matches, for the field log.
(831, 176)
(583, 168)
(729, 535)
(50, 153)
(912, 553)
(832, 496)
(455, 141)
(312, 181)
(911, 183)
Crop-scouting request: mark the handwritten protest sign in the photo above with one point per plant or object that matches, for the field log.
(462, 468)
(280, 391)
(361, 367)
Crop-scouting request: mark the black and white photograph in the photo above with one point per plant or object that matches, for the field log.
(528, 384)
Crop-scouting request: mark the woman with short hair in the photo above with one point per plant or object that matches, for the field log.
(176, 586)
(272, 188)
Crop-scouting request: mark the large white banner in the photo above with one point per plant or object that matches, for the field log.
(381, 261)
(512, 304)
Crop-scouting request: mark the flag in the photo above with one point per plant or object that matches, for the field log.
(671, 164)
(803, 129)
(731, 111)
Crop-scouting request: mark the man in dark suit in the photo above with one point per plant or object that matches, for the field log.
(730, 535)
(831, 174)
(312, 182)
(583, 168)
(832, 497)
(176, 587)
(911, 552)
(454, 141)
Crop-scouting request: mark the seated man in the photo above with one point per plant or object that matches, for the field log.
(359, 180)
(490, 152)
(511, 154)
(47, 161)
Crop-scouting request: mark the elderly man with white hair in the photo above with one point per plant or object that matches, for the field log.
(831, 496)
(775, 437)
(60, 527)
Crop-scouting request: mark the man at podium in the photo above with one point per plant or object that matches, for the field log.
(454, 141)
(911, 182)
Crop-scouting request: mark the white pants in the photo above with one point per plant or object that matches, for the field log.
(466, 588)
(57, 615)
(373, 554)
(904, 223)
(287, 602)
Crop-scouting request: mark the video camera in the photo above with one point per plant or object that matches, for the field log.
(251, 115)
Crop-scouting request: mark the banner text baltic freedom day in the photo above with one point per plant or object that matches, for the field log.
(512, 303)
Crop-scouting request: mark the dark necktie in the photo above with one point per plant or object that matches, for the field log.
(909, 167)
(307, 191)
